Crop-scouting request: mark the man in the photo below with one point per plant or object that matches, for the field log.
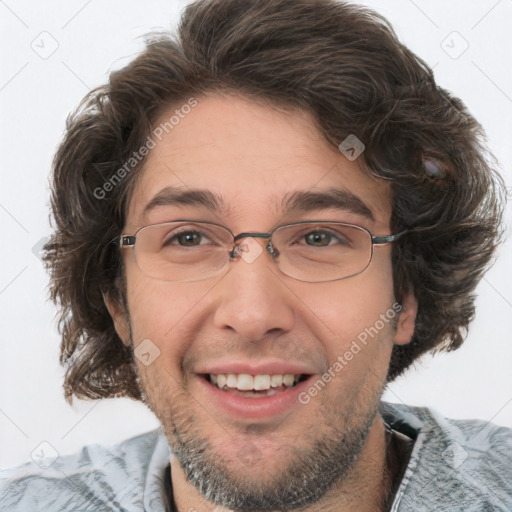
(258, 226)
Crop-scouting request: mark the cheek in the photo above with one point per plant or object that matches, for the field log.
(349, 306)
(164, 313)
(162, 325)
(354, 317)
(158, 311)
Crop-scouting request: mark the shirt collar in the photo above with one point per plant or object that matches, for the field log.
(155, 497)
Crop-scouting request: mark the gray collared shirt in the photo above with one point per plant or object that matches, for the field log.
(455, 465)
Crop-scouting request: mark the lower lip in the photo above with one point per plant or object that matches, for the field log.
(254, 407)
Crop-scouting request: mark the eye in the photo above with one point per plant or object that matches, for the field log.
(324, 238)
(318, 238)
(189, 239)
(186, 238)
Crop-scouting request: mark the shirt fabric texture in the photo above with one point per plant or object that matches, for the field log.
(455, 466)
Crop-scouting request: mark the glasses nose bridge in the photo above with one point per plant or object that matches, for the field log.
(253, 234)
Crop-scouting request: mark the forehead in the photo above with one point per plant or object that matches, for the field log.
(252, 159)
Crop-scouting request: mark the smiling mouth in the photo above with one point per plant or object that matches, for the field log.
(254, 386)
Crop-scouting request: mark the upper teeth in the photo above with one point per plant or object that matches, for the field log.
(246, 382)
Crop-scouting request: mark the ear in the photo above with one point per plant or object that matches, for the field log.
(119, 316)
(406, 320)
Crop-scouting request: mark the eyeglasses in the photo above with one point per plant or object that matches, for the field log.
(310, 251)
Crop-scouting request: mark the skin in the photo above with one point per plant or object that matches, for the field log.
(253, 156)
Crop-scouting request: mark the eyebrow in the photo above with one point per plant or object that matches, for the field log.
(332, 198)
(298, 201)
(171, 196)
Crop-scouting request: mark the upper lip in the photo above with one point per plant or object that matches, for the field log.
(260, 367)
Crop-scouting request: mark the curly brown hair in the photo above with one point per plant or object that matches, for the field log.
(344, 65)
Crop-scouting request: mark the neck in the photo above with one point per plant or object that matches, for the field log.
(365, 488)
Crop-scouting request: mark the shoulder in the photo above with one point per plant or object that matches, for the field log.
(455, 464)
(93, 479)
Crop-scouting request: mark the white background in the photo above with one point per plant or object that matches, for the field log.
(95, 37)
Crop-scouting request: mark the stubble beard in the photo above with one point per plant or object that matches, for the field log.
(303, 479)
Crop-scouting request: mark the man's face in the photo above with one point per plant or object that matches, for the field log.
(255, 320)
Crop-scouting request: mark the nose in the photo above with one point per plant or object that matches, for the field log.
(253, 299)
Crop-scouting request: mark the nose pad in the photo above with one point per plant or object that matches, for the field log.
(249, 249)
(274, 252)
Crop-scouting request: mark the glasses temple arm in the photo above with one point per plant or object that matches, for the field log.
(387, 239)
